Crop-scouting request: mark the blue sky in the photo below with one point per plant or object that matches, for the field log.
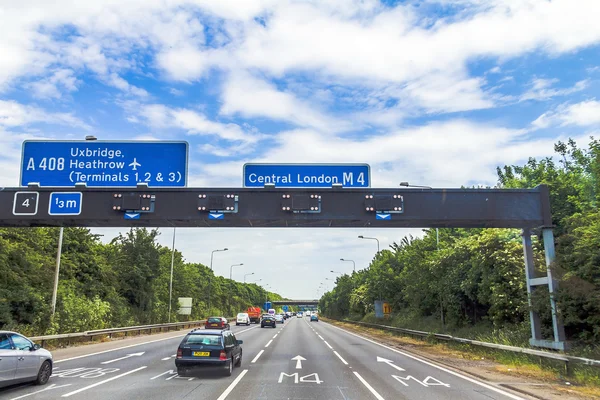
(434, 92)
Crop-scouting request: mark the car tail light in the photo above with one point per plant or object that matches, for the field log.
(179, 353)
(222, 355)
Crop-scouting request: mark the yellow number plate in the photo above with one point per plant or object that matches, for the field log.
(201, 354)
(214, 324)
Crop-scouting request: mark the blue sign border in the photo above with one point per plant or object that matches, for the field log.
(308, 165)
(60, 214)
(185, 173)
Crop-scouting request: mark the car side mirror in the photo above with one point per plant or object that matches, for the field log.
(240, 342)
(35, 347)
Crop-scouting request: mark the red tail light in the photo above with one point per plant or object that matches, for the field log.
(179, 353)
(222, 355)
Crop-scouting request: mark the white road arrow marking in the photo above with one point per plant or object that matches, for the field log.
(298, 360)
(390, 363)
(122, 358)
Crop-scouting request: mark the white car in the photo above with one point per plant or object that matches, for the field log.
(299, 315)
(279, 318)
(242, 318)
(23, 361)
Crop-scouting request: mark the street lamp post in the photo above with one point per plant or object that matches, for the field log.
(245, 275)
(171, 280)
(211, 269)
(231, 269)
(353, 264)
(336, 272)
(371, 238)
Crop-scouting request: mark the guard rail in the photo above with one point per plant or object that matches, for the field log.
(126, 330)
(539, 353)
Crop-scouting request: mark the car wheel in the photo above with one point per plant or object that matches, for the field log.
(44, 373)
(182, 372)
(239, 361)
(236, 324)
(229, 369)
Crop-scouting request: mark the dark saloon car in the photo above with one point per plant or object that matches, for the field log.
(208, 348)
(216, 323)
(268, 320)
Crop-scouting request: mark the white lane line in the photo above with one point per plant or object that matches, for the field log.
(320, 336)
(134, 345)
(118, 348)
(53, 386)
(246, 330)
(340, 357)
(257, 356)
(377, 395)
(510, 395)
(328, 345)
(237, 380)
(103, 382)
(165, 359)
(275, 335)
(270, 341)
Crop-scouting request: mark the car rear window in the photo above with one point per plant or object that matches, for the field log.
(241, 315)
(207, 340)
(213, 320)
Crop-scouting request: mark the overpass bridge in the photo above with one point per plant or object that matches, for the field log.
(295, 302)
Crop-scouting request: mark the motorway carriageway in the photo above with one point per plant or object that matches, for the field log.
(297, 360)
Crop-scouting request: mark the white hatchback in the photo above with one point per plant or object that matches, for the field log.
(242, 318)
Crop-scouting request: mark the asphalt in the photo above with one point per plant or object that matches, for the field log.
(298, 360)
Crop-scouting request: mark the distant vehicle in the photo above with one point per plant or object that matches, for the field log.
(216, 323)
(21, 360)
(314, 317)
(279, 318)
(254, 314)
(307, 313)
(208, 348)
(271, 311)
(242, 318)
(268, 320)
(299, 315)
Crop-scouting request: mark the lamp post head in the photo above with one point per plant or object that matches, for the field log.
(225, 249)
(404, 184)
(361, 237)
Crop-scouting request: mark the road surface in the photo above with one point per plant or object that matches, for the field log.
(297, 360)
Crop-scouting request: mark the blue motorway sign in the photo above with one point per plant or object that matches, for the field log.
(65, 203)
(307, 175)
(104, 163)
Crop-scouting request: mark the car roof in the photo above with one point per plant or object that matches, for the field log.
(208, 332)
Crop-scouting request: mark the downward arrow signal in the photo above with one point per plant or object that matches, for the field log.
(298, 360)
(390, 363)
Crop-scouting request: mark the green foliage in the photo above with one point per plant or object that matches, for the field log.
(123, 283)
(475, 278)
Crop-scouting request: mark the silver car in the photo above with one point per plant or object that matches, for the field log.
(23, 361)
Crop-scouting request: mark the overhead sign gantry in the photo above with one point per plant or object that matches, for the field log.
(52, 197)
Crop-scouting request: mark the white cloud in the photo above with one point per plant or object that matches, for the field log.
(586, 113)
(13, 114)
(252, 97)
(158, 116)
(541, 89)
(184, 64)
(50, 86)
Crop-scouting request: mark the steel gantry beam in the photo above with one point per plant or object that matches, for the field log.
(275, 207)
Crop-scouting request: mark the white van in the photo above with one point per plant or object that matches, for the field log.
(271, 311)
(242, 318)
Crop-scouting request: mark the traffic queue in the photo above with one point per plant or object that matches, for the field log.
(216, 345)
